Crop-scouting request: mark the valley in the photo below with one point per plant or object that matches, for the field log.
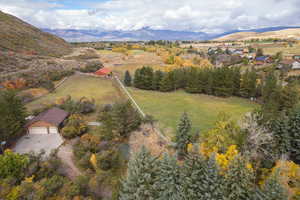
(148, 114)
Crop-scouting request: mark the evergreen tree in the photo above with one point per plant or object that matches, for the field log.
(192, 81)
(252, 83)
(183, 135)
(12, 115)
(294, 134)
(272, 190)
(157, 77)
(167, 184)
(166, 84)
(236, 81)
(139, 183)
(146, 78)
(127, 79)
(192, 176)
(137, 81)
(289, 97)
(244, 90)
(212, 186)
(208, 88)
(239, 180)
(281, 134)
(269, 86)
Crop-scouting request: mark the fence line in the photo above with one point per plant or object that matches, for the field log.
(129, 96)
(157, 131)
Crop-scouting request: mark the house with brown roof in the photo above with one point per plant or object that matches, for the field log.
(47, 122)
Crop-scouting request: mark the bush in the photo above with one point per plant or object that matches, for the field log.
(107, 160)
(75, 126)
(92, 67)
(83, 106)
(47, 84)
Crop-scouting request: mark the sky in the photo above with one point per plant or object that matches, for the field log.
(210, 16)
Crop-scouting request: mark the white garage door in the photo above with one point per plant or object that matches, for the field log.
(38, 130)
(53, 130)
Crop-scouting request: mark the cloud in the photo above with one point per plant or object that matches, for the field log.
(192, 15)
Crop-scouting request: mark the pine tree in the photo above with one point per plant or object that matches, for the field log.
(157, 77)
(281, 134)
(239, 180)
(236, 81)
(192, 176)
(127, 79)
(12, 115)
(137, 81)
(244, 90)
(167, 184)
(139, 183)
(289, 97)
(192, 81)
(294, 134)
(183, 135)
(166, 84)
(146, 78)
(272, 190)
(212, 186)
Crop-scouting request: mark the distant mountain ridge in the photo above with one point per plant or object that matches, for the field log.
(144, 34)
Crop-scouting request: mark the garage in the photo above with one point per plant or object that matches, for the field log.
(38, 130)
(47, 122)
(53, 130)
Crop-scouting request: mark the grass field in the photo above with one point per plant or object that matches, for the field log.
(78, 86)
(202, 109)
(294, 50)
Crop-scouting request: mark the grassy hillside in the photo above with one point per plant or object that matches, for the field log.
(282, 34)
(202, 109)
(19, 36)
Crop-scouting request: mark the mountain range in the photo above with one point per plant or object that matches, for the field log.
(144, 34)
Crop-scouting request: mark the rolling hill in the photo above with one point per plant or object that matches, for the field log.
(19, 36)
(281, 34)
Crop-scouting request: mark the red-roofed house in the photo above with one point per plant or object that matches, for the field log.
(103, 72)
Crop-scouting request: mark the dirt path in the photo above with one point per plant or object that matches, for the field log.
(65, 153)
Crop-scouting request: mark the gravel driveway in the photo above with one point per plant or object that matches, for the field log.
(37, 142)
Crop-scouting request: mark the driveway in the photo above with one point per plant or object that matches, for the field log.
(37, 142)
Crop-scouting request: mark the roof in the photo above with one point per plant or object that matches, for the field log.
(296, 65)
(103, 71)
(287, 62)
(261, 58)
(53, 116)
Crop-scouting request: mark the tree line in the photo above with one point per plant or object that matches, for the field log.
(222, 82)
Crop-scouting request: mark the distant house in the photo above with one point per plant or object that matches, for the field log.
(296, 57)
(262, 60)
(47, 122)
(296, 65)
(103, 72)
(238, 52)
(285, 63)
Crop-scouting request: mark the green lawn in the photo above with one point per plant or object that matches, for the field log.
(78, 86)
(202, 109)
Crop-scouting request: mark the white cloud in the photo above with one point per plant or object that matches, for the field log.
(194, 15)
